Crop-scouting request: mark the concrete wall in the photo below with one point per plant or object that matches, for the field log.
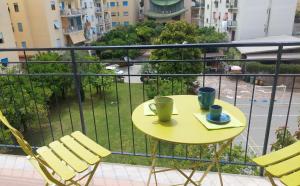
(8, 36)
(252, 18)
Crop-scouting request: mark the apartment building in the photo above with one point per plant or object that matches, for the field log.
(123, 12)
(244, 19)
(7, 39)
(36, 23)
(165, 11)
(197, 12)
(103, 17)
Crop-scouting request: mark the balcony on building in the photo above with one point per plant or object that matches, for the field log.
(98, 10)
(165, 9)
(232, 5)
(231, 24)
(198, 4)
(71, 12)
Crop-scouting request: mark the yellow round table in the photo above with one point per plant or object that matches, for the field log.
(185, 128)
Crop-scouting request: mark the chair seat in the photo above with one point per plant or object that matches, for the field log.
(285, 167)
(55, 163)
(291, 179)
(280, 155)
(72, 154)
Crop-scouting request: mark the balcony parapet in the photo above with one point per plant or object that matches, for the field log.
(71, 12)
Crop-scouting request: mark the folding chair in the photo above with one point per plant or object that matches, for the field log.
(63, 160)
(283, 164)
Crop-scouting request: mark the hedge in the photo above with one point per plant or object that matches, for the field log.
(256, 67)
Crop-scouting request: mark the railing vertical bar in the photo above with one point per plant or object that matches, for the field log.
(220, 81)
(48, 112)
(13, 98)
(130, 100)
(288, 111)
(93, 109)
(144, 99)
(272, 99)
(204, 66)
(59, 112)
(105, 111)
(70, 114)
(77, 86)
(34, 98)
(1, 126)
(249, 121)
(157, 86)
(235, 97)
(118, 112)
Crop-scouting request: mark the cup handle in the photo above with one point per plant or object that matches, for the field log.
(151, 108)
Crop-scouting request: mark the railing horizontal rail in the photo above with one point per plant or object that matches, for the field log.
(170, 46)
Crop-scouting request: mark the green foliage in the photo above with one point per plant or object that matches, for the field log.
(167, 86)
(284, 137)
(57, 84)
(20, 101)
(180, 32)
(97, 68)
(256, 67)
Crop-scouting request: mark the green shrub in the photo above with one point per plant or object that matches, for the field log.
(255, 67)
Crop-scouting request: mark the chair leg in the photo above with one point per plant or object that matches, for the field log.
(92, 174)
(271, 179)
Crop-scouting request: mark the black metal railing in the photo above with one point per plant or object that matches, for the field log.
(113, 127)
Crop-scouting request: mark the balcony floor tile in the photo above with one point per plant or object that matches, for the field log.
(17, 171)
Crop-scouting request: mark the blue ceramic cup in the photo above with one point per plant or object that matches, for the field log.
(215, 112)
(206, 97)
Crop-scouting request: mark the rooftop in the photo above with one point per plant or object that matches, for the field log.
(259, 49)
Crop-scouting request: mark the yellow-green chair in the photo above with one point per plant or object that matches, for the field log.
(63, 160)
(283, 164)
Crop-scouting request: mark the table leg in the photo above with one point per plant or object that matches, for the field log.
(153, 158)
(216, 161)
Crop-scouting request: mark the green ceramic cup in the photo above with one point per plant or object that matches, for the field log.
(215, 112)
(206, 97)
(162, 107)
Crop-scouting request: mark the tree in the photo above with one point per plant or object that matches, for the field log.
(23, 101)
(58, 84)
(99, 82)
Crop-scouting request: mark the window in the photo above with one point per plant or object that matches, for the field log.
(125, 13)
(126, 23)
(56, 25)
(207, 6)
(23, 44)
(1, 38)
(112, 4)
(114, 24)
(69, 6)
(91, 4)
(20, 27)
(113, 14)
(125, 3)
(58, 43)
(206, 20)
(85, 5)
(117, 3)
(16, 7)
(52, 5)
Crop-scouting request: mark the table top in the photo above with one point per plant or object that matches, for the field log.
(185, 128)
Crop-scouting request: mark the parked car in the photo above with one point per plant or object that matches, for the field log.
(125, 61)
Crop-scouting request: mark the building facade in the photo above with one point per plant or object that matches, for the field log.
(123, 12)
(168, 10)
(36, 23)
(244, 19)
(7, 39)
(103, 17)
